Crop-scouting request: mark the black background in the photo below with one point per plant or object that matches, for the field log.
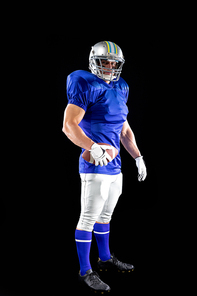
(38, 253)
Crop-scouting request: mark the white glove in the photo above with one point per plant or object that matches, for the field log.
(142, 173)
(99, 155)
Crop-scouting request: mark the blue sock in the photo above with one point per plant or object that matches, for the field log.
(83, 241)
(101, 232)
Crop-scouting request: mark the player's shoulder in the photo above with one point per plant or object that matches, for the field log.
(80, 78)
(122, 84)
(80, 74)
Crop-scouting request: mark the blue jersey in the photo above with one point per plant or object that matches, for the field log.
(105, 112)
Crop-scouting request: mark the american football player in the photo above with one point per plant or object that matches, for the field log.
(97, 113)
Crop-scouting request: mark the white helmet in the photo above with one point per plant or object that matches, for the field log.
(106, 50)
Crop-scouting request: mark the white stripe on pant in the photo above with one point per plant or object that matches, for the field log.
(99, 196)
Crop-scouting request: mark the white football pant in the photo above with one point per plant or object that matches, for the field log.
(99, 196)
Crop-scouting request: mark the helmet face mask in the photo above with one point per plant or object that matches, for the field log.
(110, 52)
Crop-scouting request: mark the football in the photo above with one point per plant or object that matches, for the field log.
(112, 152)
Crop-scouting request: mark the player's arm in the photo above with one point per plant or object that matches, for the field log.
(72, 117)
(128, 140)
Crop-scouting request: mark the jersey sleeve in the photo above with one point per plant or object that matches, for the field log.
(127, 94)
(126, 91)
(77, 91)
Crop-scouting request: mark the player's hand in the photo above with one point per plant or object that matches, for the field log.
(142, 173)
(99, 154)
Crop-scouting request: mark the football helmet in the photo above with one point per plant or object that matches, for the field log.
(106, 50)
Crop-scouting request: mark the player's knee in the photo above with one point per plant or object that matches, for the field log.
(104, 218)
(86, 224)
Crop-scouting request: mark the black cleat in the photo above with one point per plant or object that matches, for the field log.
(92, 280)
(114, 264)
